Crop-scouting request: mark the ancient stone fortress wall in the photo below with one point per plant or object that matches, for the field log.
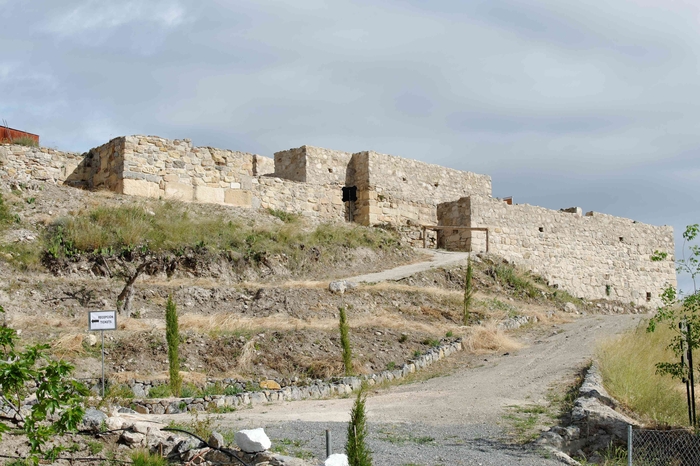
(593, 255)
(24, 163)
(400, 191)
(314, 165)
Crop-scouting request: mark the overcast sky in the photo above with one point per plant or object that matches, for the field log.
(564, 103)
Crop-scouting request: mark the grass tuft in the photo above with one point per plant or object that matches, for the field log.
(482, 339)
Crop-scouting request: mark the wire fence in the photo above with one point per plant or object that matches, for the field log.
(677, 447)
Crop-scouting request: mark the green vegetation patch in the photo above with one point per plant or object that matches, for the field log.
(173, 227)
(628, 366)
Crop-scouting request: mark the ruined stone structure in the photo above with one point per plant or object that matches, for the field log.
(592, 255)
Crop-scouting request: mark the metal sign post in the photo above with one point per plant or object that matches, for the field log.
(102, 320)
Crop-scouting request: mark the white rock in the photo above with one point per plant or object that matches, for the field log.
(132, 438)
(336, 459)
(252, 440)
(92, 340)
(570, 307)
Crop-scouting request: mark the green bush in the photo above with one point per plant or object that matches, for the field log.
(286, 217)
(120, 391)
(160, 391)
(5, 216)
(507, 275)
(190, 391)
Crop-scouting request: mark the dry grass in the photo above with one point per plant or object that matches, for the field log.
(244, 363)
(627, 364)
(70, 344)
(195, 378)
(226, 322)
(483, 339)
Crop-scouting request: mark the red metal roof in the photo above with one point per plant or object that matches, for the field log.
(8, 134)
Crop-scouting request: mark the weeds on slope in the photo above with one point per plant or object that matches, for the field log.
(628, 366)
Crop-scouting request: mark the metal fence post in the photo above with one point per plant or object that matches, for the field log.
(629, 444)
(328, 443)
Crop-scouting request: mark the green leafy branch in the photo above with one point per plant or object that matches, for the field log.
(59, 404)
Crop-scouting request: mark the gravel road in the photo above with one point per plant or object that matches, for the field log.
(455, 419)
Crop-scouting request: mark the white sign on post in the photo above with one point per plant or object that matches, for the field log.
(102, 320)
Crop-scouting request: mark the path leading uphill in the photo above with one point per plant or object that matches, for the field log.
(454, 419)
(440, 258)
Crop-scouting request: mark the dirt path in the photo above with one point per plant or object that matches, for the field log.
(467, 405)
(440, 258)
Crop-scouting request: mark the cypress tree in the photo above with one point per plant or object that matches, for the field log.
(172, 336)
(345, 341)
(468, 292)
(356, 448)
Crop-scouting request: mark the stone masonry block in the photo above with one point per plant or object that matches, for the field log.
(141, 188)
(179, 191)
(209, 194)
(238, 197)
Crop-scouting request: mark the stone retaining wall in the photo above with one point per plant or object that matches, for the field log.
(319, 389)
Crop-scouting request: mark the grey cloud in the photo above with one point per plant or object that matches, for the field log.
(563, 103)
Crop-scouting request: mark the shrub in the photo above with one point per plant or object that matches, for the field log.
(507, 275)
(286, 217)
(356, 447)
(345, 341)
(172, 336)
(160, 391)
(5, 216)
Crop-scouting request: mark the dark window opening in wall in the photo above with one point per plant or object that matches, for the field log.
(454, 232)
(622, 239)
(349, 193)
(555, 286)
(648, 296)
(330, 170)
(608, 290)
(541, 229)
(403, 178)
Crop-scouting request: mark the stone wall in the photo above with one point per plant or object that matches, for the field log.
(457, 213)
(595, 256)
(400, 191)
(150, 166)
(24, 163)
(320, 202)
(313, 165)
